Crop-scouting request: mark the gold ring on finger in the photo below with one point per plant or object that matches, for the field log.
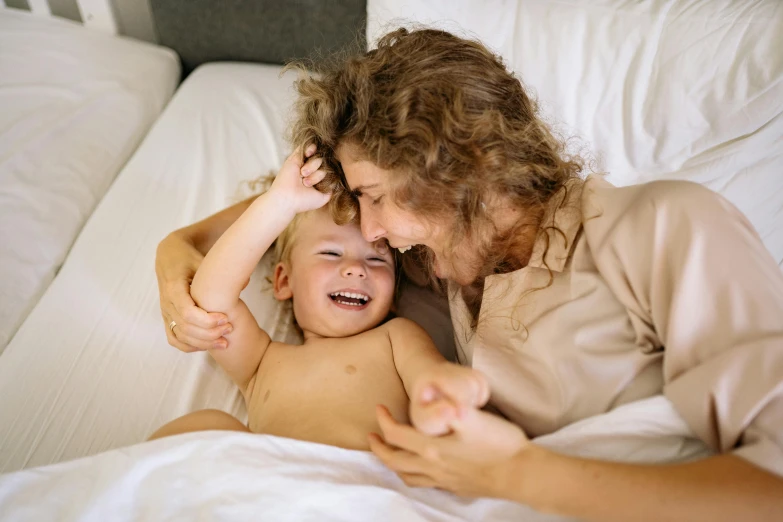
(172, 324)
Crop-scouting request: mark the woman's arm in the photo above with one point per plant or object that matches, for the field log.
(204, 234)
(687, 263)
(723, 487)
(176, 261)
(487, 456)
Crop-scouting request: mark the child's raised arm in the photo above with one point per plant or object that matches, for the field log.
(230, 262)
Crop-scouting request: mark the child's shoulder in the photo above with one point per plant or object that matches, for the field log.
(403, 326)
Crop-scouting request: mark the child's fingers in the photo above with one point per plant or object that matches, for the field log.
(314, 178)
(484, 390)
(456, 389)
(311, 166)
(295, 158)
(434, 419)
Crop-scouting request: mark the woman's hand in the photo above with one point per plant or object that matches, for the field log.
(176, 262)
(475, 460)
(296, 180)
(443, 394)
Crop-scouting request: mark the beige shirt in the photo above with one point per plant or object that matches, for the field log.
(657, 288)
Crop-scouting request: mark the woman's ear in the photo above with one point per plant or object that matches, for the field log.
(282, 283)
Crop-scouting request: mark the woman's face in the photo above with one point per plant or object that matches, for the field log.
(380, 218)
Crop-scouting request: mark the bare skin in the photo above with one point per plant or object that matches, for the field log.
(326, 391)
(342, 287)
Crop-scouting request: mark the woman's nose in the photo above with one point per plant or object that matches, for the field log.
(371, 228)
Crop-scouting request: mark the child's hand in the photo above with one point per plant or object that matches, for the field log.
(294, 183)
(445, 394)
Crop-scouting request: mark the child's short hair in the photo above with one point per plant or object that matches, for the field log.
(285, 241)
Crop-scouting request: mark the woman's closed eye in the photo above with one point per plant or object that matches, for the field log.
(376, 201)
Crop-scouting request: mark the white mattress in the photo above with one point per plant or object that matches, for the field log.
(90, 368)
(74, 105)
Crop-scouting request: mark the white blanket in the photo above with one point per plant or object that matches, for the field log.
(237, 476)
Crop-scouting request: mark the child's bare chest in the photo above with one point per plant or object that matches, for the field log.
(326, 392)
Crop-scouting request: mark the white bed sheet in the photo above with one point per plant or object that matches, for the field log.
(239, 476)
(90, 368)
(74, 105)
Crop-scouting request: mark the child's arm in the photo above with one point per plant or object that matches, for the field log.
(230, 262)
(438, 390)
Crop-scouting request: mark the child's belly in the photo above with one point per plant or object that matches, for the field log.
(328, 407)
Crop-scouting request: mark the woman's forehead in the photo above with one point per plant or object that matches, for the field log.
(360, 173)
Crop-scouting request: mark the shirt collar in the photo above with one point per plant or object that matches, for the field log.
(563, 214)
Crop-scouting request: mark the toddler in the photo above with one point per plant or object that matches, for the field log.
(342, 288)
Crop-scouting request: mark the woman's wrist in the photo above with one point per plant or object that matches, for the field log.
(187, 237)
(518, 479)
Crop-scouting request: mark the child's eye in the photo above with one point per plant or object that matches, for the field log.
(382, 260)
(330, 253)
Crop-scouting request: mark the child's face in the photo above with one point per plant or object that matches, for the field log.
(328, 260)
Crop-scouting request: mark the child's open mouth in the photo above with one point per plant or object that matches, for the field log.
(350, 300)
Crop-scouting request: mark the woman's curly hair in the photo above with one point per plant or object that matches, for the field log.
(451, 123)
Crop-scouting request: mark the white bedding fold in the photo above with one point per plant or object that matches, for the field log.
(237, 476)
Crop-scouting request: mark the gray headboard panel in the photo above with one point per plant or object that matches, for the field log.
(270, 31)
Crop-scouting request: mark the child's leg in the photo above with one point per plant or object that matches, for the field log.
(200, 421)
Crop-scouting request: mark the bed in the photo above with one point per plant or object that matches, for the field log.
(75, 105)
(90, 370)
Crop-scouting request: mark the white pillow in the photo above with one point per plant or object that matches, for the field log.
(663, 89)
(74, 105)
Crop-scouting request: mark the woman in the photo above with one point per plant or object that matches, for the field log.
(572, 296)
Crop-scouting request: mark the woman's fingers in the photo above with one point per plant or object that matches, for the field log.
(181, 336)
(179, 345)
(195, 328)
(179, 295)
(201, 337)
(412, 469)
(399, 461)
(400, 435)
(415, 480)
